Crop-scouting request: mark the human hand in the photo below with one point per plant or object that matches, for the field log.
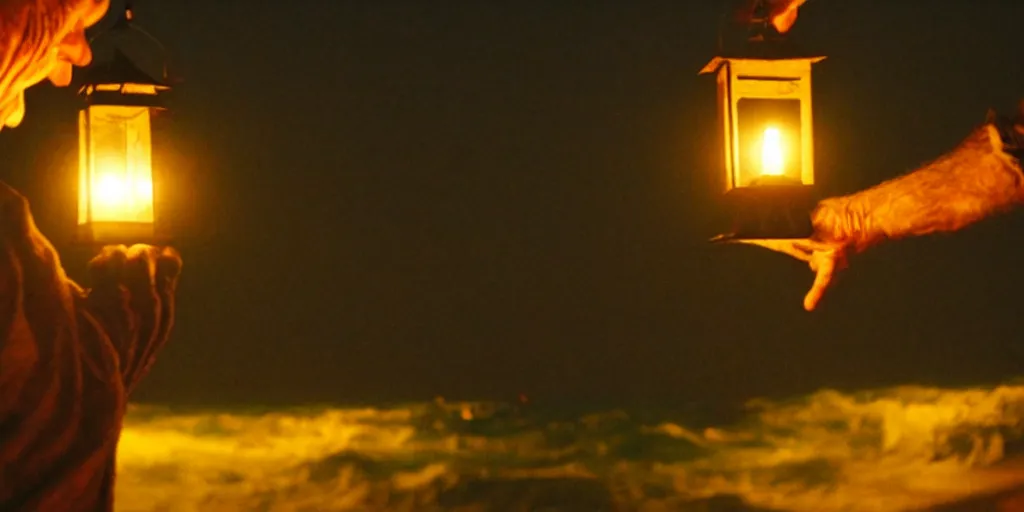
(133, 298)
(824, 259)
(825, 253)
(130, 307)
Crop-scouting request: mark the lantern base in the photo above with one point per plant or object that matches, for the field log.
(769, 212)
(99, 234)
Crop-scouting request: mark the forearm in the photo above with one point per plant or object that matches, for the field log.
(974, 181)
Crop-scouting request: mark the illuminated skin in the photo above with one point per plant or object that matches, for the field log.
(975, 180)
(56, 41)
(781, 12)
(69, 357)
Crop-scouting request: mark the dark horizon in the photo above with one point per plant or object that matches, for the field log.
(395, 201)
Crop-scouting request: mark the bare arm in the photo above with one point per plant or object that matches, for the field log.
(975, 180)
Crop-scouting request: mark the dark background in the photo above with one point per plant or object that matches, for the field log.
(390, 200)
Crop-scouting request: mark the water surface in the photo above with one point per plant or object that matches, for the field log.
(906, 448)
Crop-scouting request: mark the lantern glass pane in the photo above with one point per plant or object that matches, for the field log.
(83, 167)
(770, 142)
(119, 181)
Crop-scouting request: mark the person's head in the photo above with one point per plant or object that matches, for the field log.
(41, 39)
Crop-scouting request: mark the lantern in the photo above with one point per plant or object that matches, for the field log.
(765, 121)
(115, 176)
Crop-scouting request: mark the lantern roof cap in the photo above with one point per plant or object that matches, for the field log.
(717, 62)
(757, 40)
(119, 70)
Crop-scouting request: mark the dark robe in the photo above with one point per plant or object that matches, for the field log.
(69, 359)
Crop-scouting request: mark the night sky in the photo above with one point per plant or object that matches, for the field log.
(392, 200)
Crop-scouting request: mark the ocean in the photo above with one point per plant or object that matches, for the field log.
(895, 449)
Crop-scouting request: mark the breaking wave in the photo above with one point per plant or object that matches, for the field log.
(906, 448)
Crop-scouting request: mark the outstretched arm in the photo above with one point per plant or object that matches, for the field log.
(975, 180)
(979, 178)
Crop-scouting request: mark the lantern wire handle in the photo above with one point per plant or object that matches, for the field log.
(126, 22)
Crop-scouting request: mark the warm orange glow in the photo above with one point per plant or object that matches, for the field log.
(116, 175)
(128, 88)
(754, 94)
(119, 196)
(772, 157)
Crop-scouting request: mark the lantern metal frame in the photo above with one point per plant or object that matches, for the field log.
(118, 82)
(768, 68)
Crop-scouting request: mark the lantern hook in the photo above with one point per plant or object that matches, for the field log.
(126, 22)
(754, 18)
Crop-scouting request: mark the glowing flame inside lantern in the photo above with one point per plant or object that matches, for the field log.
(771, 152)
(122, 196)
(116, 172)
